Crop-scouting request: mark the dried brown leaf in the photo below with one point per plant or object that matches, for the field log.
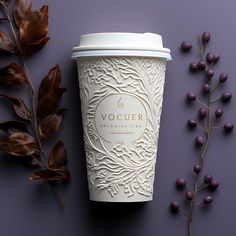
(58, 157)
(51, 81)
(34, 159)
(52, 175)
(19, 144)
(6, 45)
(21, 7)
(49, 103)
(19, 106)
(13, 126)
(13, 74)
(49, 125)
(33, 26)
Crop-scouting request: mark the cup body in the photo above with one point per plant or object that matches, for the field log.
(121, 103)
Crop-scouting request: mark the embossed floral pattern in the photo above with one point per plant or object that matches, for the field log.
(115, 167)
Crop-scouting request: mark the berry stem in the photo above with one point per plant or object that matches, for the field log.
(201, 187)
(184, 213)
(215, 100)
(202, 103)
(202, 128)
(216, 127)
(214, 89)
(203, 154)
(197, 49)
(198, 204)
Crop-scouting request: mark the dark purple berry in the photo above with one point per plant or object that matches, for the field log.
(226, 96)
(202, 113)
(217, 57)
(206, 37)
(206, 88)
(201, 65)
(197, 169)
(199, 140)
(209, 74)
(180, 183)
(189, 195)
(223, 77)
(191, 96)
(192, 123)
(219, 112)
(193, 67)
(174, 206)
(207, 179)
(210, 57)
(207, 200)
(214, 184)
(228, 127)
(186, 46)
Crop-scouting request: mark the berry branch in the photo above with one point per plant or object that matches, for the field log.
(206, 116)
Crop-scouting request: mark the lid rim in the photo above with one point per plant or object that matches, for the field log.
(139, 53)
(88, 48)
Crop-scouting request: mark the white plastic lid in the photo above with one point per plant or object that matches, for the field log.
(121, 44)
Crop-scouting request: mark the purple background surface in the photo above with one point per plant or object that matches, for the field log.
(31, 209)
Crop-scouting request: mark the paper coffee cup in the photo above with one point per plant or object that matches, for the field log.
(121, 78)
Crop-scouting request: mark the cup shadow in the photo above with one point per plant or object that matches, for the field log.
(115, 217)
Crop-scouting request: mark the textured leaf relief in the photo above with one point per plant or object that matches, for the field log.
(119, 167)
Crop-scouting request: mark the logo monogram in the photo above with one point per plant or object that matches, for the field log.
(120, 103)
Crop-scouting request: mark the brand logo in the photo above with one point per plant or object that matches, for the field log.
(120, 118)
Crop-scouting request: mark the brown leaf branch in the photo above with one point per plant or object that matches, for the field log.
(30, 36)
